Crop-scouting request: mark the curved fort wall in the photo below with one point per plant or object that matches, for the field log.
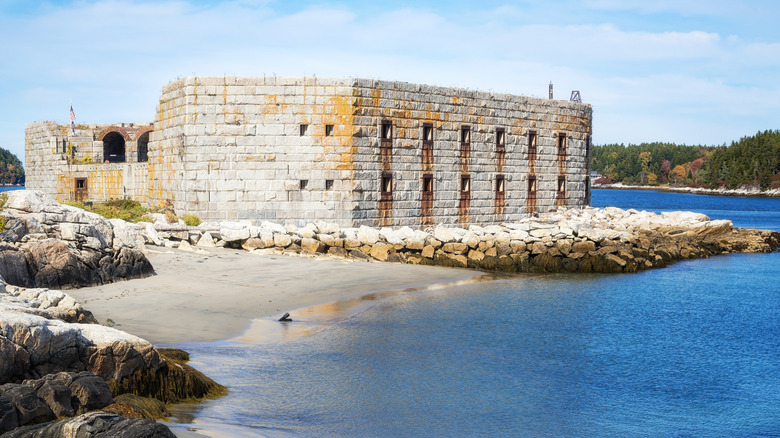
(354, 151)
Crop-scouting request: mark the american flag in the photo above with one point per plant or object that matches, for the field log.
(72, 120)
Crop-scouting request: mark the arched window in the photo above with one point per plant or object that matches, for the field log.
(143, 147)
(114, 148)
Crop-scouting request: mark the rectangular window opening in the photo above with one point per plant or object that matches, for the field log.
(561, 184)
(303, 183)
(500, 139)
(427, 184)
(499, 184)
(328, 184)
(561, 145)
(532, 144)
(387, 130)
(81, 183)
(531, 184)
(387, 184)
(328, 130)
(304, 128)
(465, 134)
(465, 184)
(427, 133)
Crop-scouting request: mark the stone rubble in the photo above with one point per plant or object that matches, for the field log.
(566, 240)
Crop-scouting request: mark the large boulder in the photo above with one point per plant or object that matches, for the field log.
(60, 246)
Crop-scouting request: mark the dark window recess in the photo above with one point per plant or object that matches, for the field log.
(561, 184)
(387, 187)
(465, 142)
(561, 146)
(427, 147)
(531, 200)
(387, 130)
(114, 147)
(328, 184)
(465, 186)
(303, 184)
(426, 210)
(427, 184)
(427, 133)
(143, 147)
(386, 145)
(465, 134)
(500, 140)
(303, 129)
(328, 130)
(500, 184)
(532, 145)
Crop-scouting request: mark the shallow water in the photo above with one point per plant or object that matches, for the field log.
(689, 350)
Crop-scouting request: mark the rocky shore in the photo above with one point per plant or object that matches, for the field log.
(573, 240)
(57, 362)
(753, 191)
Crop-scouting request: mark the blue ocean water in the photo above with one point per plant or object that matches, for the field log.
(689, 350)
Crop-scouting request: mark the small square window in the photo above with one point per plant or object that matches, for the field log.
(328, 184)
(304, 128)
(328, 130)
(303, 184)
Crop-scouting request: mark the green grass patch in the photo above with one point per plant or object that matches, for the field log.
(125, 209)
(191, 220)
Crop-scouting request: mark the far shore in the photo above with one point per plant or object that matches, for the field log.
(775, 193)
(214, 297)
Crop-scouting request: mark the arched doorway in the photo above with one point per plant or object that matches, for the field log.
(114, 147)
(143, 147)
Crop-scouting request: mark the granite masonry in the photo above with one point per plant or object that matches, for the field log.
(348, 151)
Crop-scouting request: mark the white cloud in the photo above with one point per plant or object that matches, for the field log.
(113, 57)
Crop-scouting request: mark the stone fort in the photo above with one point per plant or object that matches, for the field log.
(349, 151)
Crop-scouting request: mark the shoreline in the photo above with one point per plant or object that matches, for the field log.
(218, 296)
(693, 190)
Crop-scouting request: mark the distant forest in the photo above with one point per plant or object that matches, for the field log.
(751, 161)
(11, 169)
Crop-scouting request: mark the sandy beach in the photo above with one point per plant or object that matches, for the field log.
(217, 296)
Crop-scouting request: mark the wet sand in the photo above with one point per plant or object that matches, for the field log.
(213, 297)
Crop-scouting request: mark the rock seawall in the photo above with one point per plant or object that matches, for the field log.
(573, 240)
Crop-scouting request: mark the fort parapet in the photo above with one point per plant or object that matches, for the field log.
(349, 151)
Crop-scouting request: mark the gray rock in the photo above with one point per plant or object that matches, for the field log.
(29, 407)
(95, 425)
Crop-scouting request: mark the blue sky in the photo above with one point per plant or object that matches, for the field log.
(694, 72)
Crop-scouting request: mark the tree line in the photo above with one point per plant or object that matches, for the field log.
(752, 161)
(11, 169)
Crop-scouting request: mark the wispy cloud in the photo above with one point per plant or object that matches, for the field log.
(684, 83)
